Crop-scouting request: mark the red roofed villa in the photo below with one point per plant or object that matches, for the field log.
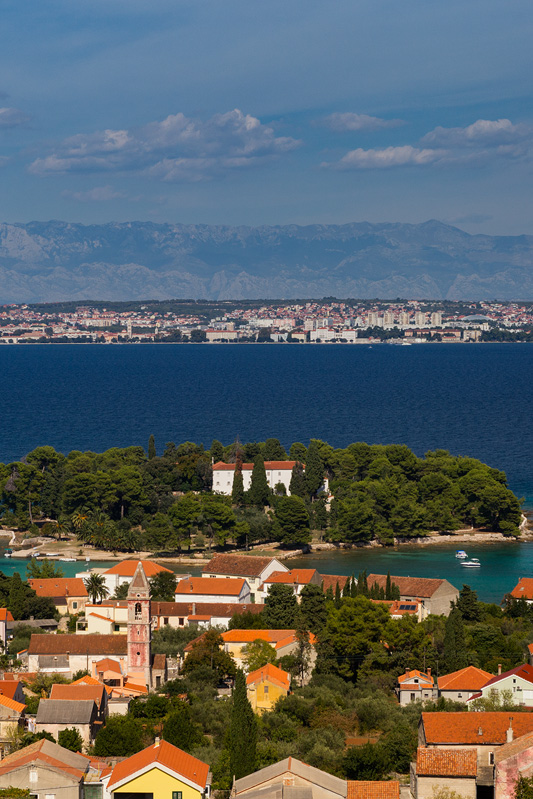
(209, 589)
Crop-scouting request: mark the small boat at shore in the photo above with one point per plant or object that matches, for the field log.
(473, 563)
(67, 560)
(461, 554)
(8, 553)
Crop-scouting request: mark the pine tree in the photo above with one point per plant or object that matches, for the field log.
(242, 732)
(259, 492)
(468, 604)
(17, 597)
(313, 607)
(297, 485)
(217, 451)
(454, 647)
(151, 448)
(314, 470)
(237, 492)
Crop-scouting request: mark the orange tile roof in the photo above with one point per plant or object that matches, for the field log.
(164, 754)
(9, 688)
(332, 580)
(301, 576)
(59, 587)
(126, 568)
(366, 789)
(446, 762)
(107, 664)
(91, 644)
(88, 680)
(484, 727)
(6, 701)
(213, 586)
(468, 679)
(523, 589)
(78, 691)
(99, 616)
(6, 615)
(246, 636)
(270, 673)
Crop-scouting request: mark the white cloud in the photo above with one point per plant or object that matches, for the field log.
(341, 123)
(98, 194)
(12, 117)
(483, 132)
(175, 149)
(387, 157)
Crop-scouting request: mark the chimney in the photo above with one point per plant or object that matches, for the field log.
(157, 739)
(499, 669)
(429, 672)
(194, 608)
(480, 731)
(510, 733)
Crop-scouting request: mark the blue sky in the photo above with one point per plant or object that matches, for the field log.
(249, 112)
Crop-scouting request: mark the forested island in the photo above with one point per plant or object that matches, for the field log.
(128, 500)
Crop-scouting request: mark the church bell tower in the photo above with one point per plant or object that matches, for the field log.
(139, 628)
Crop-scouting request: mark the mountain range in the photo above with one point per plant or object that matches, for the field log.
(56, 261)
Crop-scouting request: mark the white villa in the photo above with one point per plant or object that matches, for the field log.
(276, 472)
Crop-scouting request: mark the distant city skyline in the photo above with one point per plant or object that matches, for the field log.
(239, 113)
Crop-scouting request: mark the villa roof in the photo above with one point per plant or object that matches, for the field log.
(469, 679)
(409, 586)
(127, 568)
(59, 587)
(270, 673)
(298, 576)
(107, 664)
(240, 565)
(220, 466)
(209, 586)
(278, 638)
(78, 691)
(332, 580)
(446, 762)
(523, 589)
(164, 754)
(483, 727)
(72, 644)
(373, 789)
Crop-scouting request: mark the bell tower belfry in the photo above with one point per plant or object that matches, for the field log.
(139, 628)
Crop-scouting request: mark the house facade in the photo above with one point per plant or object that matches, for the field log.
(289, 778)
(436, 595)
(453, 770)
(265, 686)
(69, 594)
(459, 686)
(415, 686)
(276, 472)
(55, 715)
(516, 683)
(297, 579)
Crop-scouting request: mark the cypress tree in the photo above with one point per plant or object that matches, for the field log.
(259, 490)
(297, 485)
(353, 587)
(338, 597)
(388, 587)
(329, 594)
(314, 470)
(242, 732)
(346, 591)
(217, 451)
(151, 448)
(237, 492)
(454, 647)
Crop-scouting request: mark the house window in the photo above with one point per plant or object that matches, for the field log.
(165, 620)
(459, 696)
(138, 610)
(33, 775)
(177, 794)
(49, 796)
(116, 627)
(181, 621)
(265, 690)
(491, 758)
(412, 697)
(92, 791)
(74, 605)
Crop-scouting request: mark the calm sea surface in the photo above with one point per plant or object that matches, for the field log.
(472, 400)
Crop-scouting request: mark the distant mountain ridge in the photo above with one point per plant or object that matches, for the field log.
(56, 261)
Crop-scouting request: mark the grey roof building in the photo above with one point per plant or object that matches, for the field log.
(290, 779)
(54, 715)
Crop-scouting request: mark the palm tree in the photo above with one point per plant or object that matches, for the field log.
(80, 518)
(96, 587)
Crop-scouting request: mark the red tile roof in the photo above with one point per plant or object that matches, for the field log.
(91, 644)
(270, 673)
(446, 762)
(78, 691)
(211, 586)
(523, 589)
(165, 754)
(525, 671)
(59, 587)
(106, 664)
(468, 679)
(220, 466)
(409, 586)
(331, 581)
(209, 609)
(239, 565)
(365, 789)
(126, 568)
(6, 701)
(9, 688)
(426, 680)
(6, 615)
(484, 727)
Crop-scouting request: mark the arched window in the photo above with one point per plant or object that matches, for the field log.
(138, 610)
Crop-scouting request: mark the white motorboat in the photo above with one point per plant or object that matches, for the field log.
(473, 563)
(67, 560)
(461, 554)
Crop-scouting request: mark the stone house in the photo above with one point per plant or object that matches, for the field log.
(54, 715)
(436, 594)
(83, 692)
(451, 769)
(69, 594)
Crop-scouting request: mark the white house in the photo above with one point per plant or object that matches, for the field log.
(254, 568)
(206, 589)
(276, 472)
(123, 571)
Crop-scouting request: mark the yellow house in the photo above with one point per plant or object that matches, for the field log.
(160, 771)
(265, 686)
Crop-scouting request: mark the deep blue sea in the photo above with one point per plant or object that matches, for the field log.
(473, 400)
